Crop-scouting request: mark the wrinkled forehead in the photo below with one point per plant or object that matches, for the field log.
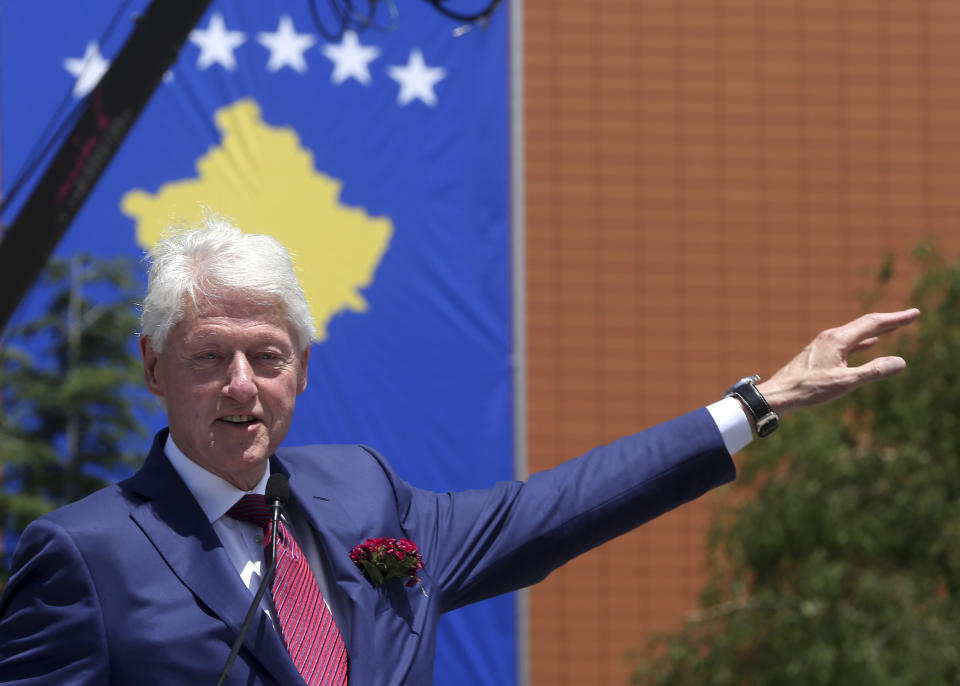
(233, 305)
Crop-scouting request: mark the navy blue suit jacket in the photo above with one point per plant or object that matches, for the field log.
(132, 586)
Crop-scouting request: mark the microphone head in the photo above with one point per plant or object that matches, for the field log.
(278, 489)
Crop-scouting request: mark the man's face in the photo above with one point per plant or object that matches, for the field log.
(229, 376)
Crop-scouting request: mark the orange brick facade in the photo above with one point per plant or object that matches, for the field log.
(708, 184)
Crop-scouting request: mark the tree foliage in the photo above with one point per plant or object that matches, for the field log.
(841, 562)
(68, 380)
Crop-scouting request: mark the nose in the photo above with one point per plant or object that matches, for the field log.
(239, 385)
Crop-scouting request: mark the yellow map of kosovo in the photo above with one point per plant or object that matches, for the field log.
(264, 181)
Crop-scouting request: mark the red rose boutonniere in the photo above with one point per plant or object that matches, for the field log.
(382, 559)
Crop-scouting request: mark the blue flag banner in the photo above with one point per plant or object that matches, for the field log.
(380, 159)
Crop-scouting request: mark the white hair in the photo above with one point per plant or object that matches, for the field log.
(215, 261)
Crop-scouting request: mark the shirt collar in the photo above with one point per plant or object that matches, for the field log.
(214, 495)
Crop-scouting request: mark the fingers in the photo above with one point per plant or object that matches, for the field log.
(872, 325)
(878, 369)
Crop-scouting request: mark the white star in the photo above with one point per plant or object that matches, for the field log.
(88, 70)
(416, 79)
(217, 44)
(351, 59)
(286, 46)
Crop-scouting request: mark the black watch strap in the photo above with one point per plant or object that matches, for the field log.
(765, 420)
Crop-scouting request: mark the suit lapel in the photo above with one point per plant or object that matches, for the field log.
(176, 525)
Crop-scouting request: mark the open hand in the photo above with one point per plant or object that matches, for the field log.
(820, 372)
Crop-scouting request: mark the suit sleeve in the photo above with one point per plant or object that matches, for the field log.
(485, 542)
(51, 628)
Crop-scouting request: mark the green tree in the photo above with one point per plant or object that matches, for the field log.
(69, 381)
(840, 564)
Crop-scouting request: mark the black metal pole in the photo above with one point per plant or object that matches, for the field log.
(111, 110)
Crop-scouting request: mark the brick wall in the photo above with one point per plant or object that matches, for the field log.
(709, 183)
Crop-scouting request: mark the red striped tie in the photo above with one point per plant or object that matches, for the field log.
(312, 638)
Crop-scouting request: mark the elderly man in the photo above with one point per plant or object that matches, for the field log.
(148, 582)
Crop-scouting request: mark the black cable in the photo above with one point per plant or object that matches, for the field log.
(40, 148)
(465, 17)
(36, 157)
(318, 22)
(348, 16)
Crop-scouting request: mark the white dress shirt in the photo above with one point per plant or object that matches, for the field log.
(733, 424)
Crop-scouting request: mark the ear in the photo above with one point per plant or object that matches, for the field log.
(150, 364)
(302, 372)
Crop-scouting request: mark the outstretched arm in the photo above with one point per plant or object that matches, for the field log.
(820, 372)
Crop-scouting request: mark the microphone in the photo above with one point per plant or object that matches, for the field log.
(277, 495)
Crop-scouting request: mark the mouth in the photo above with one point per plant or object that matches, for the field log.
(239, 419)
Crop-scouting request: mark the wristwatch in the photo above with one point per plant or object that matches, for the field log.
(765, 420)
